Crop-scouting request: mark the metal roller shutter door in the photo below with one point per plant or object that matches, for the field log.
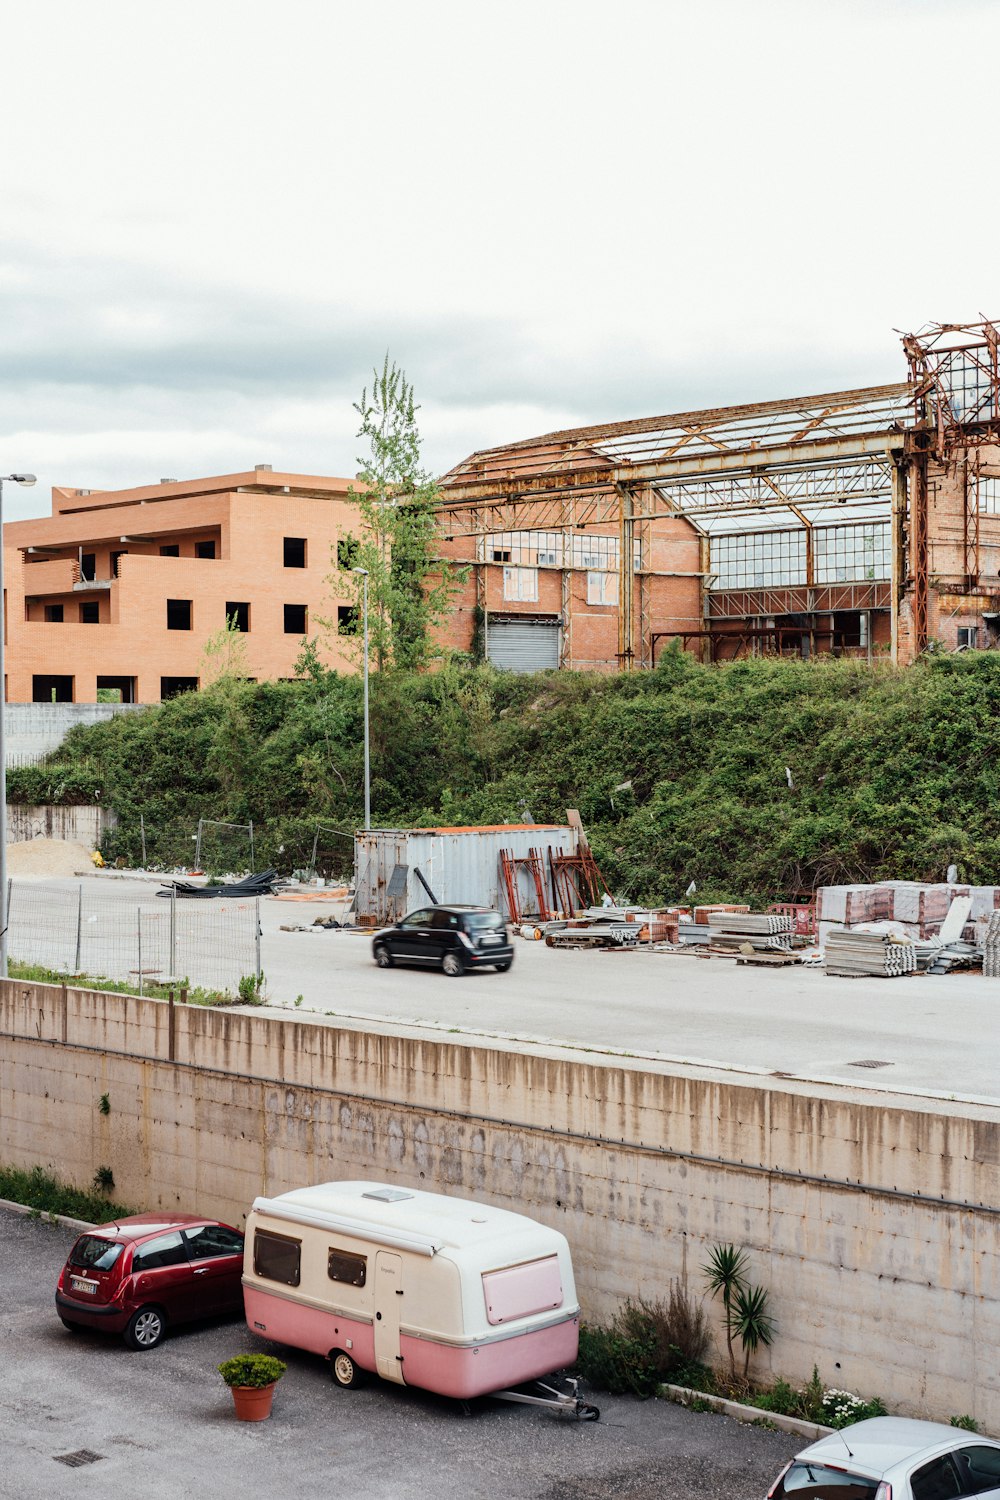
(524, 645)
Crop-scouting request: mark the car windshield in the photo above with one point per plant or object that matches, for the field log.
(94, 1253)
(480, 919)
(805, 1481)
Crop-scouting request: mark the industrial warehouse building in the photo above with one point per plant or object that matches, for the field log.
(857, 522)
(862, 522)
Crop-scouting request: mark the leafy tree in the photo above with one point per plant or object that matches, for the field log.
(409, 589)
(224, 654)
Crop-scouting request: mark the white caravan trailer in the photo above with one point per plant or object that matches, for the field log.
(423, 1290)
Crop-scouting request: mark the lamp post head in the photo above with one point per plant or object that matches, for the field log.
(26, 479)
(362, 571)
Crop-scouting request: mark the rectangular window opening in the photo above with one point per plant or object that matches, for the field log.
(46, 689)
(602, 588)
(352, 1269)
(171, 687)
(277, 1257)
(520, 583)
(54, 614)
(116, 689)
(90, 612)
(238, 617)
(171, 549)
(348, 552)
(178, 614)
(348, 622)
(295, 551)
(295, 619)
(204, 549)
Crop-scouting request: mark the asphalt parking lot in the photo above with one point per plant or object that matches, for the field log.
(163, 1425)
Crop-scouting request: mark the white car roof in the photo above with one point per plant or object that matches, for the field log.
(880, 1443)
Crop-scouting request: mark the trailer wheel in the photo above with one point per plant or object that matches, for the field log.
(343, 1369)
(587, 1413)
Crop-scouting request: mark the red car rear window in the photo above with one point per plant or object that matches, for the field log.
(94, 1253)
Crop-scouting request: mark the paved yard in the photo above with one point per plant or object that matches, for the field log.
(931, 1035)
(163, 1423)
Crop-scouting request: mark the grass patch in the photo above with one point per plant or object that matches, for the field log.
(196, 995)
(40, 1191)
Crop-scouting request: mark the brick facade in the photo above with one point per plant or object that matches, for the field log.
(88, 588)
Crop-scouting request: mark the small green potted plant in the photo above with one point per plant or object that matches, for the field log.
(252, 1378)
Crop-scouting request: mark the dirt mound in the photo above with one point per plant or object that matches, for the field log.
(48, 857)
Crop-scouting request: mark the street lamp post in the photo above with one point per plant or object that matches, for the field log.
(363, 572)
(27, 480)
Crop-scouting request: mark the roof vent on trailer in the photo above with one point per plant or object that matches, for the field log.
(388, 1195)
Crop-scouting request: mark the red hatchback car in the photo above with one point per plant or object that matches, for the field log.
(138, 1276)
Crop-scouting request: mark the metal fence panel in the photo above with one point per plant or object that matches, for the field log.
(88, 928)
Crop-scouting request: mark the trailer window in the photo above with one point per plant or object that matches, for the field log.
(276, 1257)
(350, 1268)
(520, 1291)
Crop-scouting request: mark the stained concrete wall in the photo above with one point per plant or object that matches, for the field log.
(77, 822)
(872, 1220)
(31, 730)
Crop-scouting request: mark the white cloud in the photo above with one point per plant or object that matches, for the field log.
(548, 212)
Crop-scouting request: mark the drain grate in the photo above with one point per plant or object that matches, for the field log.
(78, 1459)
(869, 1062)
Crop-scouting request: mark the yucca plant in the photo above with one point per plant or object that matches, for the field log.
(752, 1323)
(725, 1271)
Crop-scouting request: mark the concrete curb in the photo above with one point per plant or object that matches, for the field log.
(60, 1219)
(684, 1397)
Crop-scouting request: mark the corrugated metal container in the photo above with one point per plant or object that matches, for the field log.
(459, 864)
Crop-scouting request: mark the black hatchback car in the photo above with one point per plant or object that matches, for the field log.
(454, 938)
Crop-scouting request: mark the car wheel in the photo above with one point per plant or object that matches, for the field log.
(383, 957)
(145, 1328)
(452, 965)
(502, 968)
(344, 1371)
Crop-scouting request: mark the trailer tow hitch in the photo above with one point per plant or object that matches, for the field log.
(568, 1402)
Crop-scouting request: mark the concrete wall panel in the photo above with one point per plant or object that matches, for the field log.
(873, 1278)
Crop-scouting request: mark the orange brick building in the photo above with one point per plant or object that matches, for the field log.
(117, 592)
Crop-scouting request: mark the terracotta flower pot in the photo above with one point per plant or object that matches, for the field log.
(253, 1402)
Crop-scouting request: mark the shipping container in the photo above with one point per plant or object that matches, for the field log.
(458, 864)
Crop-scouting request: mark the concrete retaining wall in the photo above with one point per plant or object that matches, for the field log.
(79, 823)
(874, 1223)
(31, 730)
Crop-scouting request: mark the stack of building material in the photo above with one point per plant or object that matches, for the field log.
(750, 924)
(849, 952)
(991, 948)
(750, 932)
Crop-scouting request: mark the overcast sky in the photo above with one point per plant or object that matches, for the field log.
(217, 216)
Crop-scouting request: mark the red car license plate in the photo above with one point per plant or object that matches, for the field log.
(80, 1285)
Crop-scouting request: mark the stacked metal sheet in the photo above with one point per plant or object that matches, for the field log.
(750, 924)
(734, 931)
(991, 948)
(849, 952)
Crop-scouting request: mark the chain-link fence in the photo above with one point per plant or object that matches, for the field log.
(142, 939)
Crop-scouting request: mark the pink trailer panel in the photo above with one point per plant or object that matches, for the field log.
(521, 1291)
(493, 1366)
